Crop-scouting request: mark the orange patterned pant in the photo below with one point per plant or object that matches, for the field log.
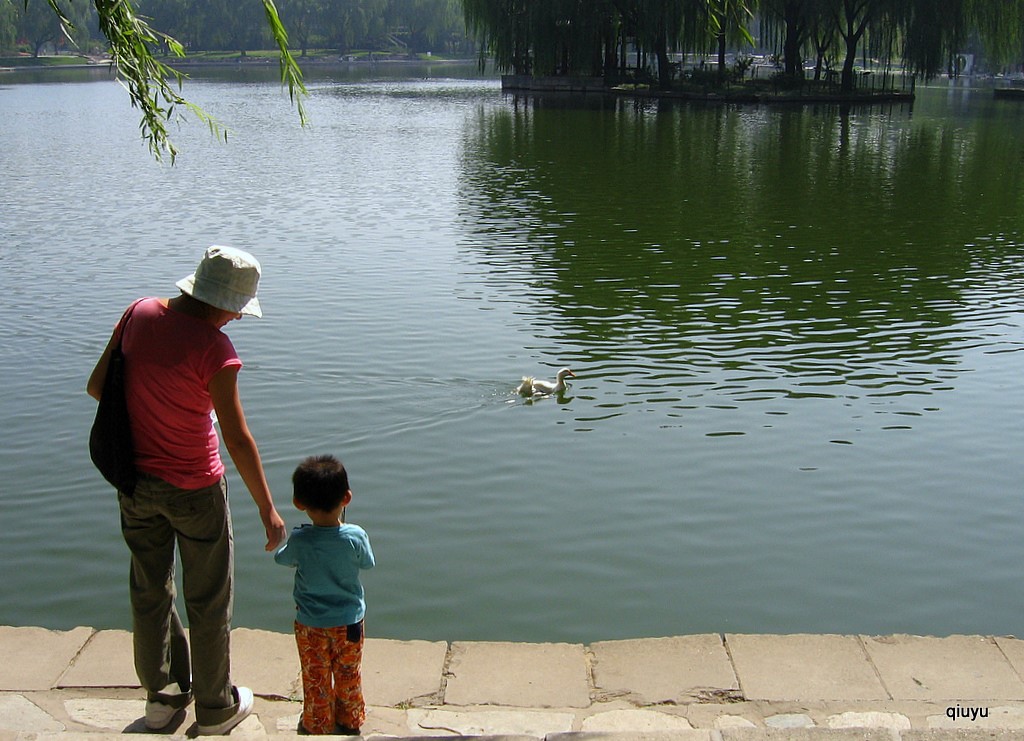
(332, 686)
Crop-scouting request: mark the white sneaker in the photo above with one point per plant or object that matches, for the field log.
(245, 701)
(159, 715)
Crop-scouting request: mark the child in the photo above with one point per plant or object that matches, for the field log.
(327, 557)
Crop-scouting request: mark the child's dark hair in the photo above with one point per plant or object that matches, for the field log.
(320, 483)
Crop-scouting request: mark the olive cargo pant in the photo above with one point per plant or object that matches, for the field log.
(158, 517)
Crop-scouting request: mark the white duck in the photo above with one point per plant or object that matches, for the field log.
(534, 386)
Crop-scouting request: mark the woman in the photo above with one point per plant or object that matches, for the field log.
(180, 367)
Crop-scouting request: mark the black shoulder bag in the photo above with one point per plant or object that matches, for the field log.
(110, 440)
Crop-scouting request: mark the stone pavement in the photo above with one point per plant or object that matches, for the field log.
(79, 685)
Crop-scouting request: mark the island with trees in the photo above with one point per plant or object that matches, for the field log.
(842, 47)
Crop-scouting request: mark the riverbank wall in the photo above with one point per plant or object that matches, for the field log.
(541, 85)
(710, 687)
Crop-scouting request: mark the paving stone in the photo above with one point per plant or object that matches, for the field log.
(79, 736)
(250, 728)
(807, 734)
(386, 722)
(18, 713)
(789, 720)
(733, 721)
(869, 719)
(540, 675)
(1013, 650)
(475, 737)
(655, 670)
(803, 667)
(957, 668)
(681, 734)
(128, 717)
(34, 658)
(523, 678)
(421, 664)
(266, 662)
(1008, 717)
(630, 721)
(108, 715)
(489, 722)
(289, 723)
(106, 660)
(962, 734)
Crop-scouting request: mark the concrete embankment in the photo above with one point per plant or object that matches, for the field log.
(710, 687)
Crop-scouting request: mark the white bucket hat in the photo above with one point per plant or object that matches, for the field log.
(226, 278)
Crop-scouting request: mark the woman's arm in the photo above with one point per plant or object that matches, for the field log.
(242, 448)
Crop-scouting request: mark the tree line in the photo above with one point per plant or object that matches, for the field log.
(595, 37)
(542, 37)
(552, 37)
(412, 26)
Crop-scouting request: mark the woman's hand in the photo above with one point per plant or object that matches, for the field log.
(275, 527)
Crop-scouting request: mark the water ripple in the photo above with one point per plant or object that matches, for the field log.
(796, 351)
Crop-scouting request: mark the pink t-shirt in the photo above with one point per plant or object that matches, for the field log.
(169, 361)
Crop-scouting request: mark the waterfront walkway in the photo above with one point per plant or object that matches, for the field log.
(79, 684)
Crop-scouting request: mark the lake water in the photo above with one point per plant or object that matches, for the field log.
(797, 332)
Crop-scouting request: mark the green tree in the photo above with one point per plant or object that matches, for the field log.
(177, 17)
(933, 31)
(502, 30)
(852, 20)
(823, 34)
(37, 23)
(305, 17)
(659, 25)
(350, 24)
(936, 31)
(8, 26)
(563, 37)
(791, 20)
(425, 25)
(727, 22)
(576, 36)
(1000, 23)
(38, 26)
(927, 33)
(240, 25)
(797, 24)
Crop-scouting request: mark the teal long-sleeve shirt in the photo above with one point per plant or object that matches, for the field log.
(327, 562)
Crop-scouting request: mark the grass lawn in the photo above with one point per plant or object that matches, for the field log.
(30, 61)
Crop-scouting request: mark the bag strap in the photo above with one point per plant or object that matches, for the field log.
(123, 321)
